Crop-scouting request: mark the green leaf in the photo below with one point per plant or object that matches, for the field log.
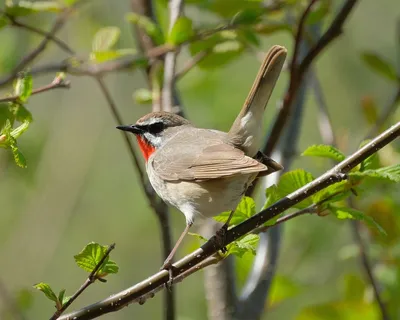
(324, 151)
(245, 209)
(143, 96)
(293, 180)
(149, 27)
(46, 289)
(181, 31)
(273, 27)
(23, 87)
(16, 133)
(110, 267)
(349, 213)
(340, 190)
(18, 156)
(5, 114)
(22, 114)
(61, 295)
(91, 255)
(246, 244)
(379, 65)
(102, 56)
(390, 173)
(198, 236)
(272, 196)
(105, 39)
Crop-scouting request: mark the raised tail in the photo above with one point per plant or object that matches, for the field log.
(246, 131)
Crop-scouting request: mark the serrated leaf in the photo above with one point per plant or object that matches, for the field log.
(379, 65)
(246, 244)
(181, 31)
(105, 39)
(391, 173)
(349, 213)
(149, 27)
(324, 151)
(143, 96)
(23, 87)
(293, 180)
(91, 255)
(245, 209)
(18, 156)
(46, 289)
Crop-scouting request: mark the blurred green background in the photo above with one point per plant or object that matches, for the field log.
(80, 185)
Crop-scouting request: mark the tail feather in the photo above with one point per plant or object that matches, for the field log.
(245, 132)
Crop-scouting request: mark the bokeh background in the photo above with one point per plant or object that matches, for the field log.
(80, 185)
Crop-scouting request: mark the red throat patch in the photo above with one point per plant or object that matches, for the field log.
(146, 148)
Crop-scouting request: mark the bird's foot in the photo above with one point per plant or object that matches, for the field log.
(170, 268)
(220, 237)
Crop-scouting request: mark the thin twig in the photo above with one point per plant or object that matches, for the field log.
(149, 285)
(58, 83)
(175, 10)
(90, 279)
(118, 119)
(190, 64)
(51, 37)
(58, 24)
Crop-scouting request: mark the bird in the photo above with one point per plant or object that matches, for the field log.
(204, 172)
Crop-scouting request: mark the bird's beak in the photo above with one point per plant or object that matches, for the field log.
(131, 128)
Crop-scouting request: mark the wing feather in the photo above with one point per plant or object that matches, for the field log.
(214, 158)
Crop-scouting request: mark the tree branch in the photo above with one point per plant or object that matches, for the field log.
(90, 279)
(157, 281)
(57, 83)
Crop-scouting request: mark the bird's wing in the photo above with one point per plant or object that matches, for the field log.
(201, 156)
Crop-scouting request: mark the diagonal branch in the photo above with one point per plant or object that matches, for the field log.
(149, 286)
(58, 83)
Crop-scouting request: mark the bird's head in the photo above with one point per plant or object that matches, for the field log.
(154, 129)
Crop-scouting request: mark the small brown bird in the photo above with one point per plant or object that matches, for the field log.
(204, 172)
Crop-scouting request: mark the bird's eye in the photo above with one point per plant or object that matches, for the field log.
(156, 127)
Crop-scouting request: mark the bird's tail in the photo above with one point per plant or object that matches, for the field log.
(246, 131)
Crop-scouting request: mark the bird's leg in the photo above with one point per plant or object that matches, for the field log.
(167, 265)
(221, 233)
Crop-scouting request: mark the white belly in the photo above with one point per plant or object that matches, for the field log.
(207, 198)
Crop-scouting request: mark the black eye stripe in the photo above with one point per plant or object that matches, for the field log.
(153, 128)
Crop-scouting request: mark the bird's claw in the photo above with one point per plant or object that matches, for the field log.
(170, 268)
